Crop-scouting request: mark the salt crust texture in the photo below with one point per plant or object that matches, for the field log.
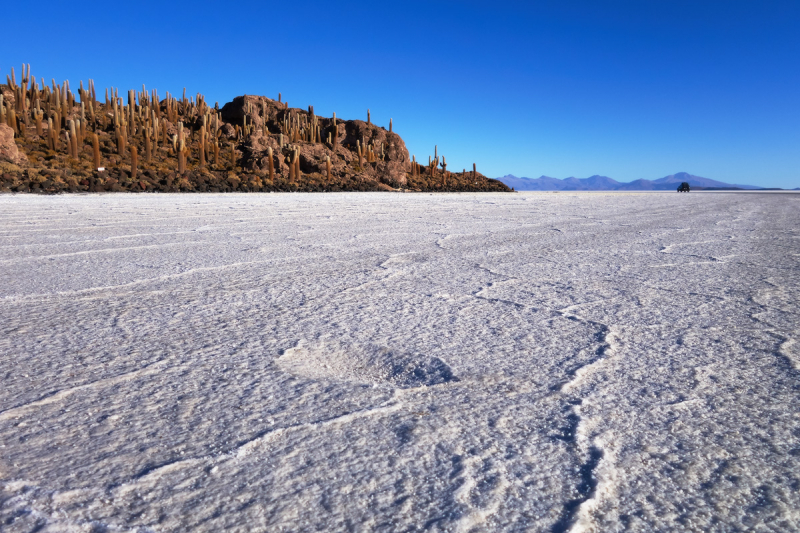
(400, 362)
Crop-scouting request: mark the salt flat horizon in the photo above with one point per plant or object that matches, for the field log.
(399, 362)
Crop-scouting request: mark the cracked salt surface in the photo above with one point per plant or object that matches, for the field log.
(526, 362)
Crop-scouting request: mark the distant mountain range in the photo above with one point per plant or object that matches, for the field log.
(603, 183)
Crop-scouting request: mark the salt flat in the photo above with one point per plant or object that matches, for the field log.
(400, 362)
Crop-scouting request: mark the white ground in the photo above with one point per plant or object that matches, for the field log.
(400, 362)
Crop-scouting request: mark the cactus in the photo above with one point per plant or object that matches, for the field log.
(155, 128)
(202, 146)
(181, 156)
(134, 162)
(12, 120)
(271, 165)
(50, 139)
(73, 138)
(121, 140)
(335, 133)
(96, 150)
(328, 166)
(38, 115)
(474, 172)
(390, 125)
(57, 123)
(147, 148)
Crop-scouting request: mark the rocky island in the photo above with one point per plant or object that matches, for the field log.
(55, 140)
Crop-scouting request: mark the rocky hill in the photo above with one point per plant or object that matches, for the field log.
(54, 140)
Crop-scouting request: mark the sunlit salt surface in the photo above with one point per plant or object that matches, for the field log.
(400, 362)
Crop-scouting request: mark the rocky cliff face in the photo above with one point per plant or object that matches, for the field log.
(267, 120)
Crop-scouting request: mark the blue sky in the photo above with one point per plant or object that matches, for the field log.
(626, 89)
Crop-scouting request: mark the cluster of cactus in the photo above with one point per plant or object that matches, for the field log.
(369, 152)
(177, 133)
(71, 120)
(302, 128)
(293, 160)
(432, 168)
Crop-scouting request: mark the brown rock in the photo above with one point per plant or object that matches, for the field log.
(391, 153)
(8, 148)
(369, 134)
(228, 131)
(258, 109)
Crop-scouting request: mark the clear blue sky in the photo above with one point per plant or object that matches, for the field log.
(626, 89)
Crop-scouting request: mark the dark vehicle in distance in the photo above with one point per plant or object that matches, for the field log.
(683, 187)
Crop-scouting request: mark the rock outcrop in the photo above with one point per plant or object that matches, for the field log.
(266, 120)
(52, 140)
(8, 148)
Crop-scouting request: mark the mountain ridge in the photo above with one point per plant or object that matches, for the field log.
(604, 183)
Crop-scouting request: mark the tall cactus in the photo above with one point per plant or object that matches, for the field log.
(51, 135)
(271, 165)
(38, 115)
(96, 151)
(12, 120)
(147, 148)
(73, 138)
(134, 162)
(202, 143)
(181, 156)
(335, 132)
